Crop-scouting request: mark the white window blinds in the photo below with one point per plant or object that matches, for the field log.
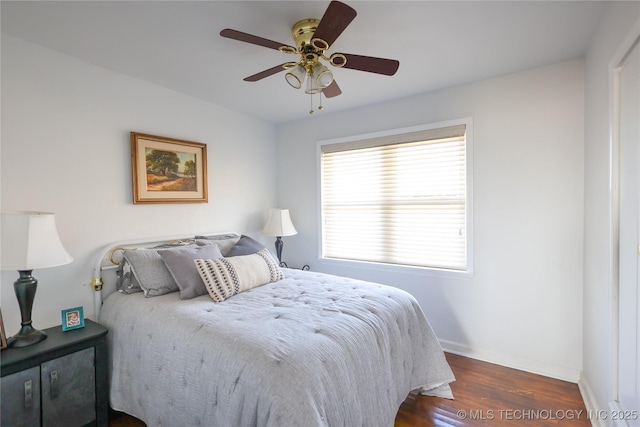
(397, 199)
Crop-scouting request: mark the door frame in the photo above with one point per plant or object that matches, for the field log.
(615, 66)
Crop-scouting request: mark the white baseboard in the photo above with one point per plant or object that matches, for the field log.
(616, 408)
(600, 417)
(547, 369)
(589, 401)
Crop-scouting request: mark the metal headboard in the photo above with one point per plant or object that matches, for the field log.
(110, 256)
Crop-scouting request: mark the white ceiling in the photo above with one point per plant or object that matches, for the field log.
(176, 44)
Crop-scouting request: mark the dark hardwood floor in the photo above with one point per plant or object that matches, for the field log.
(485, 395)
(492, 395)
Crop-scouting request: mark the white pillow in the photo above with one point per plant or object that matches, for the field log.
(225, 277)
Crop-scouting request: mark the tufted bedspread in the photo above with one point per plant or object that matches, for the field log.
(310, 350)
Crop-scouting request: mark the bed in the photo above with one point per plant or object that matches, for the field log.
(305, 349)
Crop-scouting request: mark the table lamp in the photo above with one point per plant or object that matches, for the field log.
(29, 241)
(279, 224)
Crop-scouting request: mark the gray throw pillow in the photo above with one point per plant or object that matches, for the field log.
(245, 246)
(150, 271)
(224, 241)
(126, 283)
(181, 265)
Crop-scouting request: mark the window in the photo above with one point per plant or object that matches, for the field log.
(399, 198)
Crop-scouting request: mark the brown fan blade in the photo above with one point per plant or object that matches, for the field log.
(266, 73)
(370, 64)
(332, 90)
(248, 38)
(334, 21)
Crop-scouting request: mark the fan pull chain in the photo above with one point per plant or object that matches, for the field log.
(320, 107)
(311, 98)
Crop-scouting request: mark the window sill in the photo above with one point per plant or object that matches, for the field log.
(397, 269)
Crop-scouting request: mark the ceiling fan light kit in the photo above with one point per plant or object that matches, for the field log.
(312, 38)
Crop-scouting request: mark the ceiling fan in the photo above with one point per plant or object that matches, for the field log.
(312, 38)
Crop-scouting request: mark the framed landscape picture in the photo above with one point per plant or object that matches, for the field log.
(167, 170)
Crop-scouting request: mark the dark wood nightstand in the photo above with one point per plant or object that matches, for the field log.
(61, 381)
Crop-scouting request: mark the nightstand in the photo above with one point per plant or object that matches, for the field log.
(61, 381)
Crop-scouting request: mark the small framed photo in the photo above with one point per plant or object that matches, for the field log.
(72, 318)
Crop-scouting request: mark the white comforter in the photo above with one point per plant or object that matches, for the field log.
(310, 350)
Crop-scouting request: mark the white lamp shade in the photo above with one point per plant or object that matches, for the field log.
(322, 76)
(30, 241)
(279, 223)
(312, 88)
(295, 76)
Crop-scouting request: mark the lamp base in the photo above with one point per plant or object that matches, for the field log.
(279, 245)
(25, 288)
(27, 336)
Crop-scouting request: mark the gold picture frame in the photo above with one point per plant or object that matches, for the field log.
(168, 170)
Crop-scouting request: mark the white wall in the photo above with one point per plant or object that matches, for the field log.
(614, 28)
(523, 307)
(65, 149)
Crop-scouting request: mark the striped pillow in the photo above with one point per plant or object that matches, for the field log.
(225, 277)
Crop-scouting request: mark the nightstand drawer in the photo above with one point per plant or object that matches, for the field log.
(69, 389)
(21, 398)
